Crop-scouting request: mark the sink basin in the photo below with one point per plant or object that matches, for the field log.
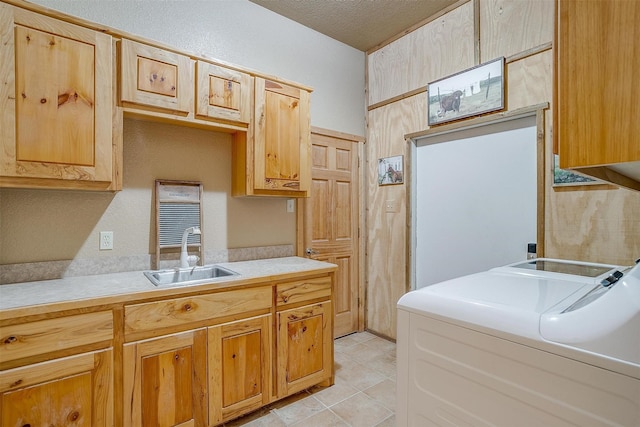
(188, 276)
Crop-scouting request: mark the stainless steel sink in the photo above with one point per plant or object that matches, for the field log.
(188, 276)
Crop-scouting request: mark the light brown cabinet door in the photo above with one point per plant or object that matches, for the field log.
(56, 101)
(331, 222)
(223, 93)
(156, 78)
(165, 381)
(598, 86)
(305, 347)
(282, 133)
(74, 391)
(239, 356)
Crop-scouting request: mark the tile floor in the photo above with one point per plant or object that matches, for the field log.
(364, 394)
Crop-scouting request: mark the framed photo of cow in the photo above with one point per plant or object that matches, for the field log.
(472, 92)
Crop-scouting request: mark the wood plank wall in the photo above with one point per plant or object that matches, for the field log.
(598, 223)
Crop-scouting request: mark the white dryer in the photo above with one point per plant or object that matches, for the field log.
(544, 342)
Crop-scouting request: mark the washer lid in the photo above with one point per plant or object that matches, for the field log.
(502, 301)
(583, 272)
(510, 298)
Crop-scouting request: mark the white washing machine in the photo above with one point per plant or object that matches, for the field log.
(544, 342)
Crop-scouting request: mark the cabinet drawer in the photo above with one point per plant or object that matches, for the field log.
(303, 290)
(182, 311)
(46, 336)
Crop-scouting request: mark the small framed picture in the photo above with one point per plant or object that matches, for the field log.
(390, 170)
(472, 92)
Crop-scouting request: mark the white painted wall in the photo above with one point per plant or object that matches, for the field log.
(475, 200)
(249, 35)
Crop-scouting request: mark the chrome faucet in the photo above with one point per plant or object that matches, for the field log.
(185, 258)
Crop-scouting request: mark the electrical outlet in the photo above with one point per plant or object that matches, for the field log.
(106, 240)
(391, 206)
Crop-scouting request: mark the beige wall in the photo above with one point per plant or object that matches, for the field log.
(44, 225)
(599, 224)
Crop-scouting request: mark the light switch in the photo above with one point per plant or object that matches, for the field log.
(291, 206)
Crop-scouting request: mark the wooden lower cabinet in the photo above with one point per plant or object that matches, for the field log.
(239, 356)
(185, 360)
(72, 391)
(305, 347)
(165, 380)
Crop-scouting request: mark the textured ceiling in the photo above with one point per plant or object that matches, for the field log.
(362, 24)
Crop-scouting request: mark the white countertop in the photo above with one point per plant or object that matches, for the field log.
(19, 295)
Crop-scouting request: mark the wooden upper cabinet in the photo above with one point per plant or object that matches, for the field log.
(57, 104)
(156, 79)
(598, 89)
(275, 159)
(223, 94)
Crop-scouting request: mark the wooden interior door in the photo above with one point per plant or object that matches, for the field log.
(331, 222)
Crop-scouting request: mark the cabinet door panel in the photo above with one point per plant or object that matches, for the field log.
(64, 402)
(156, 78)
(305, 347)
(54, 115)
(239, 367)
(166, 388)
(58, 81)
(597, 93)
(72, 391)
(282, 130)
(223, 93)
(241, 360)
(164, 381)
(282, 139)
